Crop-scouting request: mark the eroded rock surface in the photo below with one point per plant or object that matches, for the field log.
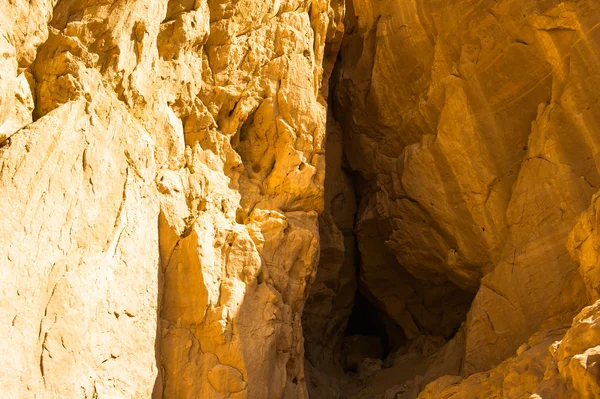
(475, 124)
(197, 195)
(551, 364)
(471, 133)
(161, 180)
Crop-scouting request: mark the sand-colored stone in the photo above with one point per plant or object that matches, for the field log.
(474, 125)
(193, 192)
(471, 133)
(162, 173)
(552, 365)
(584, 246)
(80, 255)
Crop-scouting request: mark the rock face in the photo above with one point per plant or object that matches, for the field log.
(162, 175)
(471, 133)
(551, 364)
(196, 195)
(474, 125)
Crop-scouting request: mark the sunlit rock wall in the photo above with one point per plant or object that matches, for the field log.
(476, 125)
(162, 167)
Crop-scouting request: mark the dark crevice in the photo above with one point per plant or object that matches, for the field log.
(368, 320)
(364, 335)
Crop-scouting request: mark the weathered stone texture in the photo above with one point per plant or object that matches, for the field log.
(172, 173)
(162, 174)
(471, 131)
(475, 125)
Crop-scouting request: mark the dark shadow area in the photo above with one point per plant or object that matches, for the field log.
(157, 390)
(368, 320)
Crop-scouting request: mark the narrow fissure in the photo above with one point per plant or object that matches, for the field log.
(370, 332)
(368, 328)
(369, 325)
(366, 335)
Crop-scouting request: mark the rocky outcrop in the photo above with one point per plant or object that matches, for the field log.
(473, 123)
(583, 244)
(470, 130)
(162, 175)
(198, 196)
(551, 364)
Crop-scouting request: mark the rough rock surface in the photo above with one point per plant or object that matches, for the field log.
(471, 131)
(551, 364)
(162, 167)
(474, 123)
(196, 195)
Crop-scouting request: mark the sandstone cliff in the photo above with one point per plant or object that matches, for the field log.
(196, 195)
(470, 135)
(162, 174)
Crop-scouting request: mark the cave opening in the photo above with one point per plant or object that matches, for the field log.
(370, 333)
(367, 320)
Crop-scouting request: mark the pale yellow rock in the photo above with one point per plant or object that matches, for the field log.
(80, 255)
(162, 174)
(564, 369)
(183, 217)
